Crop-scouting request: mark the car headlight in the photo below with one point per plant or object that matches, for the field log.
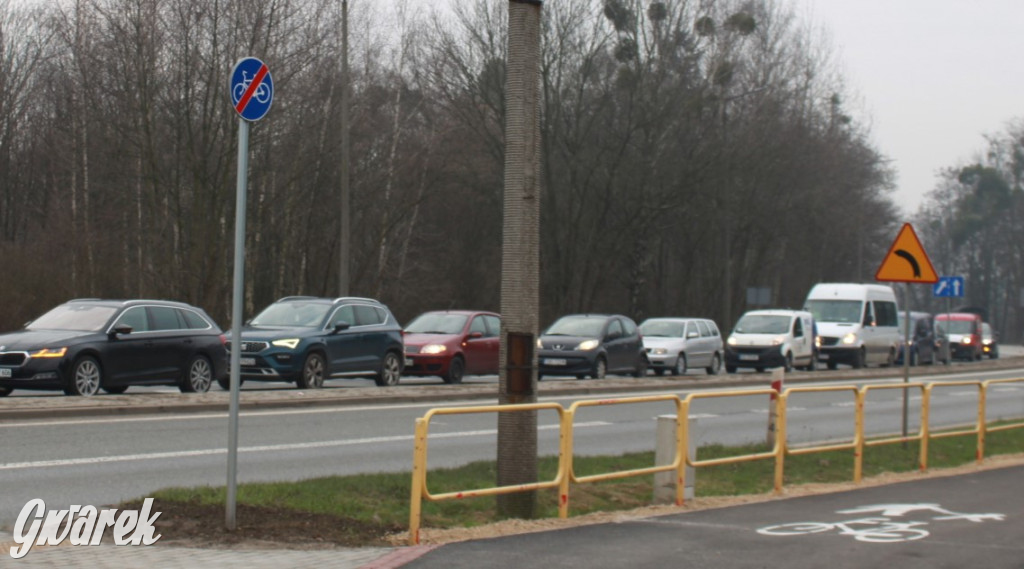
(289, 343)
(986, 342)
(540, 345)
(48, 353)
(587, 345)
(731, 341)
(659, 351)
(966, 340)
(850, 338)
(778, 340)
(817, 341)
(433, 349)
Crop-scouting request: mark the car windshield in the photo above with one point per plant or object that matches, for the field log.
(79, 317)
(662, 328)
(437, 323)
(293, 313)
(843, 311)
(958, 326)
(577, 326)
(762, 324)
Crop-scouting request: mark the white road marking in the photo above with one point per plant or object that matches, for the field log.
(262, 448)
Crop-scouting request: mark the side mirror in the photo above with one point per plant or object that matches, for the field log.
(341, 326)
(692, 335)
(121, 330)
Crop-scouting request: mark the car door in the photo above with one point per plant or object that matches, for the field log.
(701, 345)
(493, 344)
(171, 345)
(475, 346)
(342, 346)
(127, 358)
(615, 345)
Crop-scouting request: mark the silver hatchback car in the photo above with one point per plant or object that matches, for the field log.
(678, 344)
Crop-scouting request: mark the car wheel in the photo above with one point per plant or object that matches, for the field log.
(5, 391)
(858, 360)
(455, 371)
(581, 376)
(600, 369)
(390, 370)
(85, 377)
(759, 369)
(680, 367)
(716, 365)
(641, 367)
(813, 363)
(660, 371)
(116, 390)
(198, 376)
(787, 366)
(730, 369)
(313, 369)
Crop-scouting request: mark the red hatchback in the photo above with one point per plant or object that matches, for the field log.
(452, 343)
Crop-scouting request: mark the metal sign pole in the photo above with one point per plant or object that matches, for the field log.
(236, 320)
(906, 357)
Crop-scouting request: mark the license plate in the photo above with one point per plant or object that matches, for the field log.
(554, 361)
(748, 357)
(247, 361)
(5, 372)
(408, 362)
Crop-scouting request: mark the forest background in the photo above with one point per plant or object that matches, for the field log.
(693, 152)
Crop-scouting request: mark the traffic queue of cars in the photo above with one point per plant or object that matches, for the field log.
(87, 345)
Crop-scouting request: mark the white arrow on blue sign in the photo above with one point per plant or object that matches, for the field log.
(252, 89)
(949, 287)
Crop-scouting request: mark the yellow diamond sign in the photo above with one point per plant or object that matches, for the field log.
(906, 261)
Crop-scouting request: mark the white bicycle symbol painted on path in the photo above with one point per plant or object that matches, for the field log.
(882, 529)
(262, 93)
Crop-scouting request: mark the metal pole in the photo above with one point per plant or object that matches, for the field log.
(344, 246)
(236, 320)
(906, 356)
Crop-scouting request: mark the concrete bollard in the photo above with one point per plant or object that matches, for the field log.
(664, 453)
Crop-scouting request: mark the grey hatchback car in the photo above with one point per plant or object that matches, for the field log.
(592, 344)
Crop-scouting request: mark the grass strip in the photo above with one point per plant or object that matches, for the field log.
(384, 498)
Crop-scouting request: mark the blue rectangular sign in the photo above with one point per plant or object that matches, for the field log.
(949, 287)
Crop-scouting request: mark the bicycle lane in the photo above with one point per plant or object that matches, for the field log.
(968, 520)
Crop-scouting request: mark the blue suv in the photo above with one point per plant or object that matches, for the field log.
(305, 340)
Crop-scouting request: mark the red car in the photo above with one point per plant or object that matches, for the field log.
(452, 344)
(964, 331)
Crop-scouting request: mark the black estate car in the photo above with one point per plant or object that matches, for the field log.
(305, 340)
(86, 345)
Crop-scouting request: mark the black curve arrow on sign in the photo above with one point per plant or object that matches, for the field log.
(910, 259)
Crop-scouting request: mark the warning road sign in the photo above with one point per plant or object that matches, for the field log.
(906, 261)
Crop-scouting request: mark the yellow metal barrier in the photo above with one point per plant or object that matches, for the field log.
(776, 452)
(856, 442)
(678, 464)
(979, 423)
(985, 428)
(566, 473)
(419, 466)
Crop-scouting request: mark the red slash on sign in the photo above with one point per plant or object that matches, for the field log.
(253, 85)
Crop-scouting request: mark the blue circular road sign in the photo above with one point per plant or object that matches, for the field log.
(252, 89)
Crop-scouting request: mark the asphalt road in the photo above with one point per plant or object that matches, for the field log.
(972, 520)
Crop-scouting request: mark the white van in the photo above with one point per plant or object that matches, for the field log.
(771, 338)
(857, 323)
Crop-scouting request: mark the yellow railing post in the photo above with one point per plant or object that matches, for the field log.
(419, 476)
(926, 411)
(979, 453)
(858, 436)
(782, 403)
(682, 447)
(565, 462)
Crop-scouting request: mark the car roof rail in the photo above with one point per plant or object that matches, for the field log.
(360, 298)
(83, 299)
(298, 297)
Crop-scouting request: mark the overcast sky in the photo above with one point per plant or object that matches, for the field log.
(932, 76)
